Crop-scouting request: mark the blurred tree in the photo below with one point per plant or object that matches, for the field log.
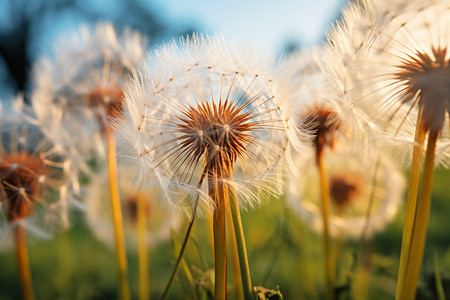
(26, 27)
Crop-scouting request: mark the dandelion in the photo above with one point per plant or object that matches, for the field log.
(145, 224)
(205, 121)
(361, 204)
(76, 91)
(79, 85)
(30, 180)
(403, 62)
(323, 120)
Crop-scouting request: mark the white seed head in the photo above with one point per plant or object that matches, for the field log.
(78, 87)
(387, 60)
(351, 179)
(30, 175)
(159, 220)
(202, 107)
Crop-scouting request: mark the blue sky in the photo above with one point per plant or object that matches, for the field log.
(268, 24)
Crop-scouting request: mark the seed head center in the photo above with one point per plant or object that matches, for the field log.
(426, 83)
(219, 131)
(20, 182)
(323, 124)
(344, 189)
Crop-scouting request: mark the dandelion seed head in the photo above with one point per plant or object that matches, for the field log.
(427, 78)
(105, 101)
(205, 107)
(79, 86)
(389, 59)
(324, 124)
(159, 220)
(354, 179)
(344, 188)
(20, 175)
(30, 175)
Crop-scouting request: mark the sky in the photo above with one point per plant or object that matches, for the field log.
(270, 25)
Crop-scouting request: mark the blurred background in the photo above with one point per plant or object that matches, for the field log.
(28, 28)
(282, 250)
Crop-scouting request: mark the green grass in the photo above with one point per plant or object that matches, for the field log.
(282, 251)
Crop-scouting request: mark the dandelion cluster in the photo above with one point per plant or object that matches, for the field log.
(138, 139)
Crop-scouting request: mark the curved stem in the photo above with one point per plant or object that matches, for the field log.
(183, 246)
(411, 202)
(419, 232)
(117, 217)
(23, 264)
(325, 194)
(144, 291)
(242, 250)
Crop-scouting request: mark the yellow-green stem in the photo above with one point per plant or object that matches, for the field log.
(238, 292)
(437, 277)
(117, 217)
(419, 232)
(144, 291)
(325, 195)
(241, 248)
(362, 277)
(411, 203)
(23, 265)
(220, 250)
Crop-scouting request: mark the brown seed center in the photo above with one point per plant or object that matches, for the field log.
(426, 81)
(106, 101)
(218, 131)
(344, 189)
(324, 124)
(20, 183)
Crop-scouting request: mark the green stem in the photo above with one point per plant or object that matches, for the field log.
(419, 232)
(23, 264)
(411, 203)
(437, 277)
(325, 194)
(242, 250)
(117, 217)
(144, 281)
